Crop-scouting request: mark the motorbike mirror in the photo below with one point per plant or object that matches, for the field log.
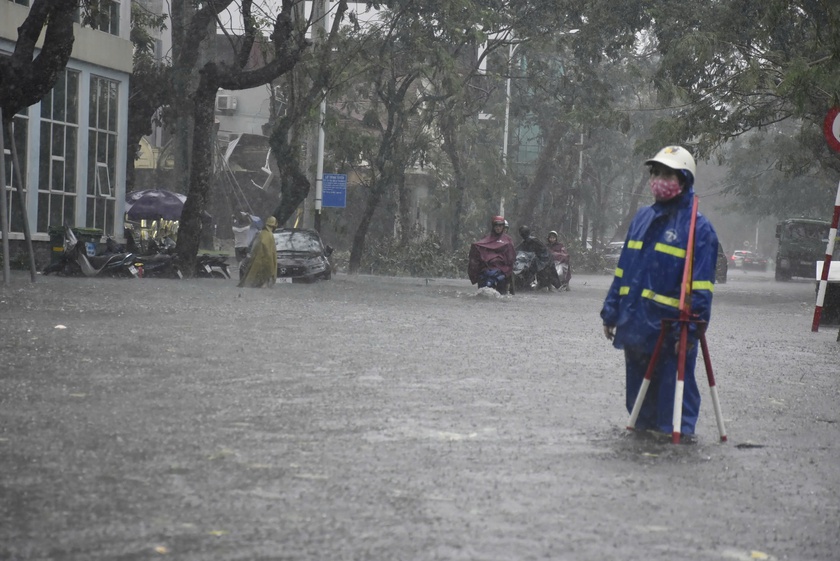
(328, 250)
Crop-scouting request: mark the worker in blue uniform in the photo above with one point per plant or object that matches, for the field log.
(646, 289)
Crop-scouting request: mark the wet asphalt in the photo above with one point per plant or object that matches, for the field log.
(370, 418)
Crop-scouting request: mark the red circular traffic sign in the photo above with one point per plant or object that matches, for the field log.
(831, 128)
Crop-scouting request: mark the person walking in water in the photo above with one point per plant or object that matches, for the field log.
(261, 269)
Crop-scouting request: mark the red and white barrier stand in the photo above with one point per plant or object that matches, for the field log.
(826, 267)
(683, 322)
(831, 130)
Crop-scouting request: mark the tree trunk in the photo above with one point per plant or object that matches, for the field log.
(25, 80)
(404, 210)
(189, 230)
(358, 248)
(294, 185)
(184, 80)
(542, 177)
(459, 187)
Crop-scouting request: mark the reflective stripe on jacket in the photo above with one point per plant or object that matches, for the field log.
(647, 281)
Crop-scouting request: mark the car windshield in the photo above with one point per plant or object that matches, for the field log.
(803, 231)
(304, 242)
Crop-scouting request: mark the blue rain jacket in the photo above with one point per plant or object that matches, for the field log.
(647, 281)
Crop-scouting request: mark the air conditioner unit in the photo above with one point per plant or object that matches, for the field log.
(225, 103)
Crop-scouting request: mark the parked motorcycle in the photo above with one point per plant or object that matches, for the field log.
(160, 261)
(160, 266)
(75, 261)
(212, 266)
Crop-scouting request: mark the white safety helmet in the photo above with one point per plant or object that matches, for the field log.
(675, 157)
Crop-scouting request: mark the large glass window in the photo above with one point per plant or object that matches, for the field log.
(102, 154)
(20, 127)
(58, 153)
(105, 15)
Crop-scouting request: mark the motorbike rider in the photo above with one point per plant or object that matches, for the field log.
(491, 258)
(561, 256)
(543, 266)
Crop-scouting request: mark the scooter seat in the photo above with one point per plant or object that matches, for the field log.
(100, 261)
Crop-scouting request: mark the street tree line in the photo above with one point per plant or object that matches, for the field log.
(595, 87)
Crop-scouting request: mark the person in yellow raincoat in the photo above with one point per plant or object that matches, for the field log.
(261, 270)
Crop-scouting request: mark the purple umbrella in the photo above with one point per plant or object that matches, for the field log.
(153, 204)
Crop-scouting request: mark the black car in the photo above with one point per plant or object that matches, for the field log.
(722, 266)
(301, 256)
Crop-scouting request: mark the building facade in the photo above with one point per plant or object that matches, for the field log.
(72, 145)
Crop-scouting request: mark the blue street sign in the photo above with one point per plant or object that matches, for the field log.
(334, 192)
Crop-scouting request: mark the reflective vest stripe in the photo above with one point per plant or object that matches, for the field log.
(666, 300)
(670, 250)
(703, 285)
(634, 244)
(623, 290)
(619, 272)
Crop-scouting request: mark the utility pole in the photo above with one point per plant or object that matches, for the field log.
(319, 36)
(511, 49)
(580, 209)
(4, 212)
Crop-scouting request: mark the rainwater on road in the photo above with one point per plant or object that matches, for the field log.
(369, 418)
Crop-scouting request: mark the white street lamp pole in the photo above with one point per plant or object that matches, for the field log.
(319, 173)
(4, 225)
(511, 49)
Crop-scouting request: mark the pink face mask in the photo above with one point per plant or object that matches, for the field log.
(664, 189)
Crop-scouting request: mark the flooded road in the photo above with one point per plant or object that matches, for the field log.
(377, 419)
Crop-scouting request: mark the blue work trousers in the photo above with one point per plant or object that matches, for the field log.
(657, 410)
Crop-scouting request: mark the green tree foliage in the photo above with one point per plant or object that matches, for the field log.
(579, 81)
(195, 83)
(151, 86)
(320, 71)
(733, 67)
(393, 86)
(417, 92)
